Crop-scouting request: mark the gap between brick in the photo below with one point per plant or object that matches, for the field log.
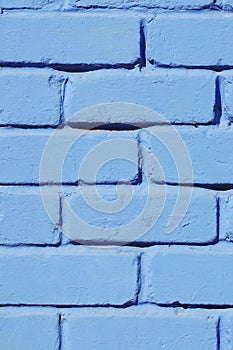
(71, 68)
(215, 68)
(214, 187)
(124, 306)
(177, 304)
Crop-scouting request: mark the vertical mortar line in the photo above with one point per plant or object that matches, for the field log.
(140, 159)
(218, 102)
(60, 332)
(62, 99)
(142, 44)
(218, 217)
(60, 219)
(218, 336)
(139, 277)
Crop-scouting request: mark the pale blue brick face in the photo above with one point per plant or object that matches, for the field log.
(198, 226)
(226, 90)
(22, 150)
(147, 327)
(190, 39)
(28, 329)
(21, 4)
(63, 40)
(114, 233)
(203, 284)
(225, 4)
(22, 208)
(181, 96)
(211, 158)
(68, 276)
(30, 97)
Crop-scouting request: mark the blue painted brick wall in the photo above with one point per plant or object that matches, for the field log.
(87, 260)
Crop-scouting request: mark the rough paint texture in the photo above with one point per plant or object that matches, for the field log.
(61, 288)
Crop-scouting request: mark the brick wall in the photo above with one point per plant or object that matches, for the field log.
(87, 260)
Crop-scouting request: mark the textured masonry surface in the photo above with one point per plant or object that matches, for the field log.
(155, 290)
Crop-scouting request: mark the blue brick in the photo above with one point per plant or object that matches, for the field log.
(226, 330)
(96, 147)
(142, 327)
(226, 80)
(143, 3)
(225, 4)
(115, 213)
(108, 39)
(23, 217)
(179, 3)
(211, 158)
(191, 275)
(22, 150)
(191, 39)
(32, 4)
(67, 276)
(29, 97)
(180, 96)
(27, 329)
(226, 215)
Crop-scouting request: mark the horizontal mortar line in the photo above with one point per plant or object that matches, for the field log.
(75, 183)
(28, 245)
(84, 68)
(28, 126)
(141, 7)
(103, 127)
(215, 68)
(212, 6)
(18, 9)
(144, 245)
(109, 244)
(127, 126)
(215, 187)
(71, 68)
(68, 306)
(189, 244)
(124, 306)
(193, 306)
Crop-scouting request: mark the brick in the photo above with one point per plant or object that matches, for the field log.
(179, 96)
(191, 275)
(22, 150)
(226, 80)
(210, 156)
(27, 329)
(141, 327)
(227, 5)
(33, 4)
(63, 40)
(107, 156)
(118, 218)
(191, 39)
(179, 3)
(226, 330)
(143, 3)
(29, 97)
(226, 217)
(67, 276)
(23, 217)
